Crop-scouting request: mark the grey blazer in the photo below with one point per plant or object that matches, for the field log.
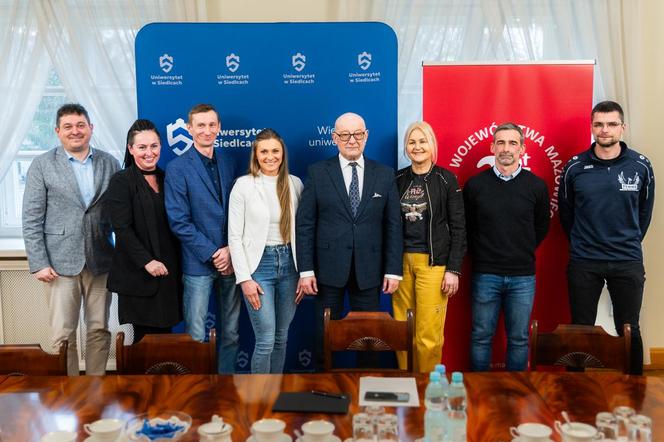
(58, 230)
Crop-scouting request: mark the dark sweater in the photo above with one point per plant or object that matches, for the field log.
(506, 221)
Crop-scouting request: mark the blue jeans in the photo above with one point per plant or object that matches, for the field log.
(196, 298)
(515, 294)
(278, 278)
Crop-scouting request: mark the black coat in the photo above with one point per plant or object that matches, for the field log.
(141, 235)
(447, 242)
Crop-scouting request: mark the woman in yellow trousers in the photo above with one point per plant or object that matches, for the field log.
(434, 244)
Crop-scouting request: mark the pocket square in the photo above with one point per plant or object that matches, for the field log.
(377, 195)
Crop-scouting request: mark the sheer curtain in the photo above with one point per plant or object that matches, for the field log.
(91, 45)
(500, 30)
(23, 74)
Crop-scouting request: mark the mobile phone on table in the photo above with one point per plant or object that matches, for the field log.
(385, 396)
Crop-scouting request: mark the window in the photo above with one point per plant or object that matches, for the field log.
(40, 138)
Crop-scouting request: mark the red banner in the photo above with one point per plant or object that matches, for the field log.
(552, 104)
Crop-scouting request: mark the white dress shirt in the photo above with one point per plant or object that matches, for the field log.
(347, 171)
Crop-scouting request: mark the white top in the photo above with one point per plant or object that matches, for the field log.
(347, 171)
(270, 187)
(249, 222)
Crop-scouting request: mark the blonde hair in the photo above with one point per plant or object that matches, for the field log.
(283, 187)
(428, 134)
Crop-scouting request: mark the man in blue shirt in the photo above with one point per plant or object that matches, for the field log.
(606, 198)
(197, 187)
(66, 236)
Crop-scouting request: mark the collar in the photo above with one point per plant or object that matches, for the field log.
(205, 159)
(345, 162)
(507, 177)
(71, 157)
(594, 157)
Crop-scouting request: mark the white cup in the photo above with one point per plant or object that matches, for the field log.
(317, 431)
(59, 436)
(104, 429)
(268, 430)
(215, 432)
(531, 432)
(577, 432)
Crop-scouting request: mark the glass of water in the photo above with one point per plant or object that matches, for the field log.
(607, 423)
(639, 428)
(363, 432)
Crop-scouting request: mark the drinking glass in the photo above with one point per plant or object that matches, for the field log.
(607, 423)
(362, 432)
(640, 428)
(623, 413)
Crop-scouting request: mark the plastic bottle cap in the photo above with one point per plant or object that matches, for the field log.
(440, 368)
(434, 376)
(457, 376)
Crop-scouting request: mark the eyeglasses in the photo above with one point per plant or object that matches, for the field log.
(345, 136)
(610, 125)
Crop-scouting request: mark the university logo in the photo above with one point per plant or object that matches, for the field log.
(210, 319)
(304, 357)
(364, 60)
(166, 63)
(629, 184)
(242, 358)
(178, 137)
(233, 62)
(299, 61)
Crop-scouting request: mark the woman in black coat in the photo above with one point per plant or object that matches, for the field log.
(145, 270)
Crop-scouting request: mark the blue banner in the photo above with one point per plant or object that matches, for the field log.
(293, 77)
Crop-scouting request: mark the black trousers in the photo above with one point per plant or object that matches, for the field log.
(367, 300)
(625, 281)
(142, 330)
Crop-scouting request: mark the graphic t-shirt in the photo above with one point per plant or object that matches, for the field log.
(415, 210)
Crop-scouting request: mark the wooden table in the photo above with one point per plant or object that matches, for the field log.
(31, 406)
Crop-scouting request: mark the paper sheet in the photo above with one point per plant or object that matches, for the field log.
(389, 385)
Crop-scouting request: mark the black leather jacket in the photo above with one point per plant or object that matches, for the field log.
(447, 223)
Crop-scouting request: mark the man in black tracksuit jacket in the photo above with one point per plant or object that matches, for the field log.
(606, 198)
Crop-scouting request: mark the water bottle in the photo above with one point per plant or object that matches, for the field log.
(456, 416)
(440, 368)
(434, 417)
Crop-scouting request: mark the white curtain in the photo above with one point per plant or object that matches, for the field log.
(91, 45)
(23, 71)
(497, 30)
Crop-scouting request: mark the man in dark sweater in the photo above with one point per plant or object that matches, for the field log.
(507, 215)
(606, 201)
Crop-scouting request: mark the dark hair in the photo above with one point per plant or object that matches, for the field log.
(202, 108)
(509, 126)
(70, 109)
(605, 107)
(139, 125)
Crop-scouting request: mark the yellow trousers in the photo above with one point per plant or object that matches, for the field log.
(421, 291)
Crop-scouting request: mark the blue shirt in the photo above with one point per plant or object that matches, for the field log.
(210, 165)
(506, 177)
(84, 173)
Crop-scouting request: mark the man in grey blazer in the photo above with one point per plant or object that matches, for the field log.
(67, 236)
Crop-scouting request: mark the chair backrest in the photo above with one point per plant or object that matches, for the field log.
(368, 331)
(31, 359)
(166, 354)
(578, 347)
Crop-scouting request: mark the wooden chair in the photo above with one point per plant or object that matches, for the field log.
(578, 347)
(31, 359)
(368, 331)
(166, 354)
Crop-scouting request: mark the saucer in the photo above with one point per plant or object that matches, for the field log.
(518, 439)
(121, 438)
(332, 438)
(284, 438)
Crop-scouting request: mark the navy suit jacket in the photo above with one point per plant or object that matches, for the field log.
(198, 215)
(328, 237)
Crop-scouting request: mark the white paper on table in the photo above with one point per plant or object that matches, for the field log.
(389, 385)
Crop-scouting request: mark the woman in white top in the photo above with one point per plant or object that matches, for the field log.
(261, 236)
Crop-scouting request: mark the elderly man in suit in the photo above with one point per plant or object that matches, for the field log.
(197, 187)
(348, 228)
(67, 237)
